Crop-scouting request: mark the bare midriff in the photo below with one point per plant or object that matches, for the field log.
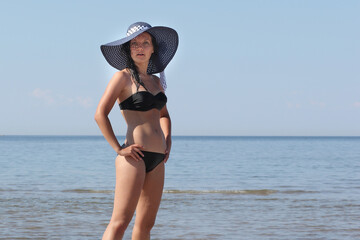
(144, 129)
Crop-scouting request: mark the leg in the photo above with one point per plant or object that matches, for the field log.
(130, 176)
(149, 203)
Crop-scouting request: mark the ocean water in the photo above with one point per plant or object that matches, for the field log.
(61, 187)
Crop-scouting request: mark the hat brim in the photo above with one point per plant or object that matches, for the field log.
(166, 38)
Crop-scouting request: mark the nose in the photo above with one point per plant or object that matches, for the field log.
(140, 46)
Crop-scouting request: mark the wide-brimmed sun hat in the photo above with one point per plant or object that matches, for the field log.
(166, 38)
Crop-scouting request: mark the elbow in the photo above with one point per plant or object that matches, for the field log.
(98, 116)
(166, 117)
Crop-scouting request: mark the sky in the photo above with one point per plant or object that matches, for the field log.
(243, 68)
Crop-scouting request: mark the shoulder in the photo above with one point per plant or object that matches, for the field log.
(157, 82)
(156, 79)
(120, 80)
(119, 83)
(121, 77)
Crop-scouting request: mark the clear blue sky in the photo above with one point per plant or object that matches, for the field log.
(242, 67)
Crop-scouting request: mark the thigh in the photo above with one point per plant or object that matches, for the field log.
(130, 176)
(150, 197)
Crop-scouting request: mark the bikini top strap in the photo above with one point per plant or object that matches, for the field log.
(137, 84)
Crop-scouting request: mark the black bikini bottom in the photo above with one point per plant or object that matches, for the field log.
(152, 159)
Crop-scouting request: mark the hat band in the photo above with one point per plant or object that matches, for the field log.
(135, 29)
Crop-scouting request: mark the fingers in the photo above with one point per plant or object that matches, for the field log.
(136, 154)
(138, 148)
(166, 158)
(167, 154)
(134, 151)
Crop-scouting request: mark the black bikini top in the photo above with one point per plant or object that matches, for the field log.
(144, 101)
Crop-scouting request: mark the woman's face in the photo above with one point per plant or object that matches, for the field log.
(141, 48)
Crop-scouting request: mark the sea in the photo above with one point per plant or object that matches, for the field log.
(281, 188)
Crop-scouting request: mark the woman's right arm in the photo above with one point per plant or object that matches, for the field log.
(107, 101)
(114, 89)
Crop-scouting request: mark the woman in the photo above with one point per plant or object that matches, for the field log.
(140, 161)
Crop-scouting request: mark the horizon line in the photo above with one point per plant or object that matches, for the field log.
(99, 135)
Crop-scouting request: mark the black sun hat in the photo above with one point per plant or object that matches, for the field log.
(166, 38)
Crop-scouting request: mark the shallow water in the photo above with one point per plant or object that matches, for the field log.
(216, 188)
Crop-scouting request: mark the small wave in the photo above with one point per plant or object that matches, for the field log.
(7, 190)
(262, 192)
(297, 192)
(87, 191)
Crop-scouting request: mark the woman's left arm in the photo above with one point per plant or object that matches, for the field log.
(165, 123)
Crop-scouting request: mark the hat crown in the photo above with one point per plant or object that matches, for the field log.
(135, 27)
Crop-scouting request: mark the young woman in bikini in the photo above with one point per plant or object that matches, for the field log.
(141, 96)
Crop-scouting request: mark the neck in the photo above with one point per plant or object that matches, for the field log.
(142, 68)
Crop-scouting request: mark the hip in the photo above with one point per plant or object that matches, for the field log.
(152, 141)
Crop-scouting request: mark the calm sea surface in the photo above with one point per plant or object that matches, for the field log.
(56, 187)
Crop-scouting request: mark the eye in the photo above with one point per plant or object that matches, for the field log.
(133, 45)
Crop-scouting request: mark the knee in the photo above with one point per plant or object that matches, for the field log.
(144, 227)
(118, 226)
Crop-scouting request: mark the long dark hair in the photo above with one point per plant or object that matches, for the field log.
(131, 65)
